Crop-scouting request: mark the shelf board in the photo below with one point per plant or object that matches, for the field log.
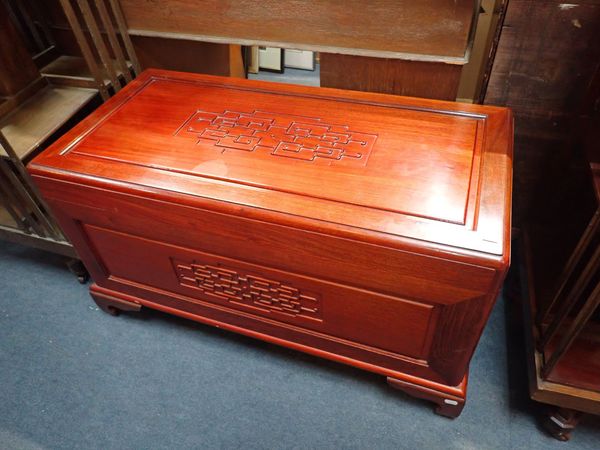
(74, 71)
(35, 120)
(570, 366)
(11, 234)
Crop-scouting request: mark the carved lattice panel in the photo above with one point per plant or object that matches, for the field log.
(304, 138)
(234, 286)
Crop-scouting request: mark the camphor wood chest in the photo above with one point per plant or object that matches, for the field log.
(369, 229)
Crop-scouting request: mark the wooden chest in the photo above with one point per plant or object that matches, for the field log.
(369, 229)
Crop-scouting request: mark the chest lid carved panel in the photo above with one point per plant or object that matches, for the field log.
(402, 167)
(307, 139)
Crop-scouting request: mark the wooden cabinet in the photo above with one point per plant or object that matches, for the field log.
(368, 229)
(562, 295)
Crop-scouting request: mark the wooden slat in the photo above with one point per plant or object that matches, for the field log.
(28, 190)
(123, 31)
(390, 76)
(574, 296)
(85, 47)
(112, 37)
(34, 216)
(12, 206)
(31, 26)
(573, 330)
(582, 246)
(107, 62)
(61, 247)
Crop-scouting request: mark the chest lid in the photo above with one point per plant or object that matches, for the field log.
(434, 171)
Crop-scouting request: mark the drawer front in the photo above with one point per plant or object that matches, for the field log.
(366, 318)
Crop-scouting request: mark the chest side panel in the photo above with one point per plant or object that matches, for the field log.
(389, 305)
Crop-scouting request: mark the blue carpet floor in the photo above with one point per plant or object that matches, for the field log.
(74, 377)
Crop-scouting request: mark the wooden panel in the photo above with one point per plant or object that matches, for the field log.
(283, 153)
(267, 292)
(547, 56)
(182, 55)
(545, 75)
(418, 161)
(390, 76)
(453, 343)
(17, 69)
(426, 301)
(431, 30)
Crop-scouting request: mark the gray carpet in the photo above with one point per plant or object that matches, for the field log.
(74, 377)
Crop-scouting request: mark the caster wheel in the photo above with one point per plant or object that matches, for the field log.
(112, 311)
(560, 423)
(77, 268)
(83, 279)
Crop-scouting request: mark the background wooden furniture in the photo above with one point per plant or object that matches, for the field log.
(389, 46)
(110, 65)
(31, 112)
(547, 69)
(175, 54)
(43, 92)
(563, 336)
(547, 60)
(561, 306)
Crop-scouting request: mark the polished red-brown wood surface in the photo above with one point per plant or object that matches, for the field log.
(365, 228)
(399, 166)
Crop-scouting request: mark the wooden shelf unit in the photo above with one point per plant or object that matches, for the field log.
(561, 282)
(575, 381)
(31, 124)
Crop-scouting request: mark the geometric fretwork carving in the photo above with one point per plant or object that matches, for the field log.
(250, 290)
(297, 137)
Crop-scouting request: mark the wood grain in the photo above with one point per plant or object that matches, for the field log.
(546, 61)
(185, 56)
(391, 76)
(434, 30)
